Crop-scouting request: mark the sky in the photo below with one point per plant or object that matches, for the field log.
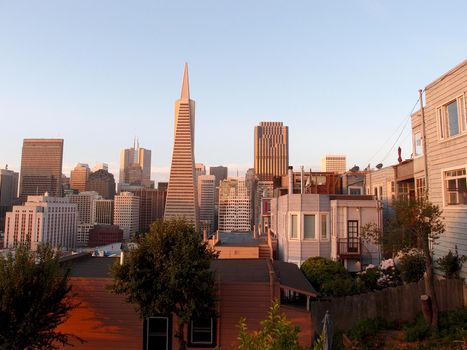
(343, 75)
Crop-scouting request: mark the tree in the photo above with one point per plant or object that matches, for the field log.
(169, 273)
(416, 223)
(34, 299)
(277, 333)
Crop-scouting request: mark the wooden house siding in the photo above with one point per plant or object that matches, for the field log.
(445, 154)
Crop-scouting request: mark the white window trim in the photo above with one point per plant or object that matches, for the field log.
(439, 110)
(443, 189)
(415, 155)
(167, 334)
(328, 226)
(289, 233)
(302, 226)
(202, 342)
(362, 190)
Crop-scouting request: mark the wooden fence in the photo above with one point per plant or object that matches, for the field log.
(400, 304)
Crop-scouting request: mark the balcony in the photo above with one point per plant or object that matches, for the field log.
(349, 248)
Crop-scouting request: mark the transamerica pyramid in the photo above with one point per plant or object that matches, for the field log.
(182, 191)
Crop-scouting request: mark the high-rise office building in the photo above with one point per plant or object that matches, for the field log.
(206, 201)
(8, 191)
(335, 163)
(42, 219)
(41, 167)
(271, 150)
(220, 172)
(200, 169)
(85, 202)
(79, 177)
(152, 205)
(103, 212)
(135, 166)
(102, 182)
(126, 213)
(182, 198)
(234, 206)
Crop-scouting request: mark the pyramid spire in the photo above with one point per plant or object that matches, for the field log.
(185, 95)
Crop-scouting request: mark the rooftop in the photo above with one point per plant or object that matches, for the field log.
(240, 239)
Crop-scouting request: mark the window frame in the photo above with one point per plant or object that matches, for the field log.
(294, 235)
(444, 187)
(314, 238)
(442, 118)
(168, 333)
(197, 344)
(326, 215)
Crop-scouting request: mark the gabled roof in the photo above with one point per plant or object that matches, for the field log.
(291, 277)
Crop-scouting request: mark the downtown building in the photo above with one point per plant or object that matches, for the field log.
(92, 210)
(79, 177)
(234, 206)
(182, 200)
(206, 201)
(126, 213)
(41, 168)
(42, 219)
(334, 163)
(271, 146)
(102, 182)
(135, 167)
(8, 191)
(152, 205)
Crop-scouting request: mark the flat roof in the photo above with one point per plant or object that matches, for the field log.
(240, 239)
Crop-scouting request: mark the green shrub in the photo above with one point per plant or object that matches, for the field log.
(330, 277)
(417, 331)
(451, 264)
(412, 267)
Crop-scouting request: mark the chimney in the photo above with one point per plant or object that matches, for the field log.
(290, 176)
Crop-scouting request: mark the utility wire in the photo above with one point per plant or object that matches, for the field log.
(403, 124)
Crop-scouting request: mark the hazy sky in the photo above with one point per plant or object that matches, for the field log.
(343, 75)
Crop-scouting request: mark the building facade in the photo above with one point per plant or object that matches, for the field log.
(152, 205)
(135, 166)
(271, 146)
(328, 226)
(334, 163)
(79, 177)
(102, 182)
(446, 158)
(206, 201)
(126, 213)
(42, 219)
(8, 191)
(182, 199)
(41, 167)
(103, 211)
(234, 206)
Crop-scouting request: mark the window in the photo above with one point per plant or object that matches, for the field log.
(451, 118)
(355, 191)
(294, 226)
(309, 227)
(455, 187)
(157, 333)
(381, 192)
(420, 187)
(418, 149)
(352, 236)
(324, 227)
(202, 333)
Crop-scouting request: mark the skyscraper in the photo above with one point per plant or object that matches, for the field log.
(135, 166)
(182, 192)
(271, 150)
(8, 192)
(234, 206)
(103, 183)
(334, 163)
(41, 167)
(206, 193)
(126, 213)
(79, 177)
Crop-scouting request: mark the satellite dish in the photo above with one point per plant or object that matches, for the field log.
(379, 166)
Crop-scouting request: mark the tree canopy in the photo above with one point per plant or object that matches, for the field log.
(34, 299)
(169, 273)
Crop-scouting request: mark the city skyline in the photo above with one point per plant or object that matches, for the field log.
(303, 82)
